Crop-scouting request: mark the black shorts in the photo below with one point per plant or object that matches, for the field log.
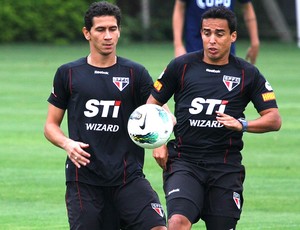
(204, 190)
(131, 206)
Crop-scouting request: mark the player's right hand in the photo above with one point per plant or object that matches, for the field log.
(76, 152)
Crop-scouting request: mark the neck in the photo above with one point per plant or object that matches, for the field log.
(101, 60)
(216, 61)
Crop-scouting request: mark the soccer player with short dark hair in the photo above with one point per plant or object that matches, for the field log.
(204, 175)
(105, 185)
(186, 24)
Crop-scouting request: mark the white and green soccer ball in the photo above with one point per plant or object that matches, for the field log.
(150, 126)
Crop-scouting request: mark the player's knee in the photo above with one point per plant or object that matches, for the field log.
(177, 221)
(159, 228)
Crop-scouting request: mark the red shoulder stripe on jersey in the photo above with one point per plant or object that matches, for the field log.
(79, 195)
(183, 74)
(227, 151)
(243, 81)
(179, 144)
(76, 173)
(125, 167)
(132, 81)
(70, 80)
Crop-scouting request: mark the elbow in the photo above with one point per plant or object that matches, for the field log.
(276, 124)
(277, 128)
(272, 119)
(46, 133)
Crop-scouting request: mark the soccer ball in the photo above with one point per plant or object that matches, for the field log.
(150, 126)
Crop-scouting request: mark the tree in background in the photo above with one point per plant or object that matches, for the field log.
(52, 21)
(60, 22)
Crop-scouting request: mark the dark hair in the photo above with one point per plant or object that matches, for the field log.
(101, 8)
(222, 12)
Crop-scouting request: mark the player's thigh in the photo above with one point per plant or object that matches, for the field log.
(88, 208)
(184, 195)
(225, 193)
(139, 205)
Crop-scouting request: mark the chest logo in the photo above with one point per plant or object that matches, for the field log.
(231, 82)
(121, 82)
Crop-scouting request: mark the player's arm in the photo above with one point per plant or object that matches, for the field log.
(178, 25)
(152, 100)
(268, 121)
(55, 135)
(160, 154)
(251, 24)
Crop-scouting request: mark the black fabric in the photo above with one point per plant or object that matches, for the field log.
(99, 102)
(199, 90)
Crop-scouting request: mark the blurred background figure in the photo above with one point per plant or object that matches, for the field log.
(186, 25)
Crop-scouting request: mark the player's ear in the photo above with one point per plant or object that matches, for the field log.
(233, 37)
(119, 32)
(86, 33)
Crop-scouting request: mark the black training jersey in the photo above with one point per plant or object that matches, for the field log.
(99, 102)
(199, 91)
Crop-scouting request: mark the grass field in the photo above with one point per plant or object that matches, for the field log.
(32, 170)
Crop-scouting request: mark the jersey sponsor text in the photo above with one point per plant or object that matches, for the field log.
(205, 123)
(106, 107)
(157, 85)
(102, 127)
(268, 96)
(213, 70)
(214, 105)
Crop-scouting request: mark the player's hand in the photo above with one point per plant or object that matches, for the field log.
(160, 154)
(76, 153)
(252, 53)
(228, 121)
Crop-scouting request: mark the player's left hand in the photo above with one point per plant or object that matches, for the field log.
(228, 121)
(160, 154)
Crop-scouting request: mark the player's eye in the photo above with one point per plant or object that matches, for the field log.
(114, 28)
(206, 32)
(100, 29)
(220, 34)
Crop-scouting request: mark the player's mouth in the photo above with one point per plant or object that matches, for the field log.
(213, 51)
(108, 46)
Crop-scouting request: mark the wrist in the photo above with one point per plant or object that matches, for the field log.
(244, 124)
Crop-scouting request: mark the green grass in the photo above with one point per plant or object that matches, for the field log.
(32, 170)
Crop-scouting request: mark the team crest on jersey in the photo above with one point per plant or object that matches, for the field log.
(121, 82)
(231, 82)
(237, 199)
(158, 209)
